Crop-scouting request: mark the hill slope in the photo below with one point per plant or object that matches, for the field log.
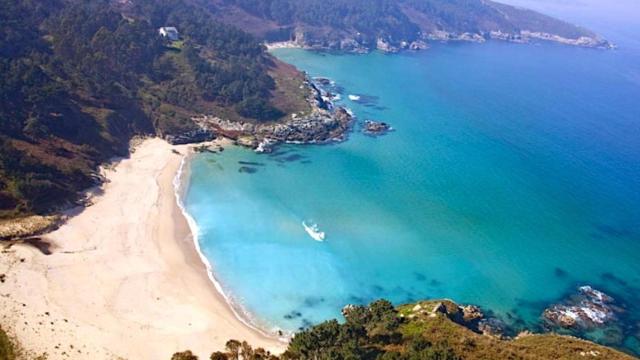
(427, 330)
(79, 79)
(361, 25)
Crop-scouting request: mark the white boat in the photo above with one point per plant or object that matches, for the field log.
(313, 231)
(354, 97)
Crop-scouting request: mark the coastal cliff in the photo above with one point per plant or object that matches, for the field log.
(429, 329)
(391, 26)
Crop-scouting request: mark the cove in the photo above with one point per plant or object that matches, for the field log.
(512, 177)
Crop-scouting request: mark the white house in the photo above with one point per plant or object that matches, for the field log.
(169, 32)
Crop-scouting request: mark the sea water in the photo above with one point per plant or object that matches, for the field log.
(512, 177)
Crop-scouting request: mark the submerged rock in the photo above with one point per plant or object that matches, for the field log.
(589, 309)
(247, 170)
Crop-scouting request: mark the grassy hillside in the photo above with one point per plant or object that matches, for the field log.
(427, 330)
(78, 79)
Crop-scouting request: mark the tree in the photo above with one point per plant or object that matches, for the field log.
(233, 349)
(185, 355)
(246, 351)
(219, 356)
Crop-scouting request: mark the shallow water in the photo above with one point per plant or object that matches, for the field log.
(512, 176)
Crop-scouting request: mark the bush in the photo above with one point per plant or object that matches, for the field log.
(257, 108)
(7, 348)
(185, 355)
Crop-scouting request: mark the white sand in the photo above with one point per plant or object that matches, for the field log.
(282, 45)
(124, 279)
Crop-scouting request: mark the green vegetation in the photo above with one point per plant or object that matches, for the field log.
(401, 20)
(371, 18)
(78, 79)
(412, 332)
(7, 348)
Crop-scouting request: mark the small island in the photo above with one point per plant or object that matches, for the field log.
(376, 128)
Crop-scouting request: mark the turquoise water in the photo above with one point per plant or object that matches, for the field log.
(512, 176)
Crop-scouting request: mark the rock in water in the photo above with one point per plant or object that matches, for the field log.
(471, 313)
(590, 309)
(376, 128)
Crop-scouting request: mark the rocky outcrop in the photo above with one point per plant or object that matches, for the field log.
(385, 46)
(320, 126)
(582, 41)
(471, 313)
(375, 128)
(440, 35)
(323, 124)
(588, 309)
(190, 137)
(469, 316)
(491, 327)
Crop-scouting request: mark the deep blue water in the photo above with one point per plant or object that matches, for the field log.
(513, 176)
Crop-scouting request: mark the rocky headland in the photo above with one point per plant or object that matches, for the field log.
(469, 316)
(324, 123)
(390, 27)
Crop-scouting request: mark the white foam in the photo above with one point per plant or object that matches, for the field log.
(247, 319)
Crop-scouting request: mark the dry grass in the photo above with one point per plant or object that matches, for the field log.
(290, 94)
(472, 346)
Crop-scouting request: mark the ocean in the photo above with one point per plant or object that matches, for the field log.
(511, 178)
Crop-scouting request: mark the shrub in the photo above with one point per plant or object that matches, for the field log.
(7, 348)
(185, 355)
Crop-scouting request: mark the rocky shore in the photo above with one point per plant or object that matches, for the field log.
(469, 316)
(353, 43)
(587, 310)
(323, 124)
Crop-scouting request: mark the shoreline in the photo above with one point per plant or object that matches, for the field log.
(282, 45)
(125, 277)
(181, 185)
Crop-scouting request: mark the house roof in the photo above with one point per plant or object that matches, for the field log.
(169, 29)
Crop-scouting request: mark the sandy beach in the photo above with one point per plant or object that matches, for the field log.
(123, 279)
(282, 45)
